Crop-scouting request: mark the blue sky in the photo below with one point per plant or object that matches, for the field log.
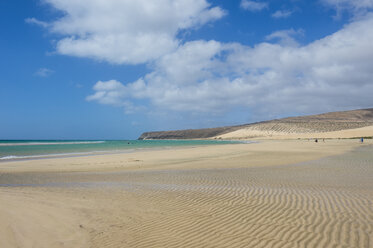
(93, 69)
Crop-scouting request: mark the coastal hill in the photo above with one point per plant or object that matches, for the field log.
(345, 124)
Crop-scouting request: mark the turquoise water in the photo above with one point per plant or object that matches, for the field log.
(28, 149)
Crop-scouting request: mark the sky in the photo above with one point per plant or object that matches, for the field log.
(112, 69)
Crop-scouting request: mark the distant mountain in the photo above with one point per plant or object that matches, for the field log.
(328, 122)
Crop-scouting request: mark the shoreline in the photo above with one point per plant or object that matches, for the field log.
(254, 140)
(118, 150)
(154, 158)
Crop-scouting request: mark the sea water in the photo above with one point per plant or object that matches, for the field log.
(33, 149)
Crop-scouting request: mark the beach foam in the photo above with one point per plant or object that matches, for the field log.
(46, 143)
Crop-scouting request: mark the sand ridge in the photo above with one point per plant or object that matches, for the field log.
(271, 194)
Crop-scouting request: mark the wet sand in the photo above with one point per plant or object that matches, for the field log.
(271, 194)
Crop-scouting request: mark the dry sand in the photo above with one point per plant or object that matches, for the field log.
(276, 193)
(289, 131)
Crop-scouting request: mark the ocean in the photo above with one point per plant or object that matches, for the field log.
(35, 149)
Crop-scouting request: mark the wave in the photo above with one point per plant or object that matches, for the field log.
(8, 157)
(249, 142)
(13, 157)
(46, 143)
(62, 155)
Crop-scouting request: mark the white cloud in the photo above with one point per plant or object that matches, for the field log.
(44, 72)
(211, 77)
(357, 7)
(253, 5)
(357, 4)
(110, 92)
(36, 22)
(127, 31)
(285, 37)
(282, 14)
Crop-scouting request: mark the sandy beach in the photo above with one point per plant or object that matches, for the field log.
(186, 124)
(274, 193)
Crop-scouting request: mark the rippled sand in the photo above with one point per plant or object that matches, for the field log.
(325, 202)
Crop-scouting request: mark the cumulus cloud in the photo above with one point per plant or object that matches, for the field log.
(253, 5)
(125, 32)
(282, 14)
(211, 77)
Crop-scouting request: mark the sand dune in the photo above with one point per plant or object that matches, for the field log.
(271, 194)
(300, 125)
(292, 131)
